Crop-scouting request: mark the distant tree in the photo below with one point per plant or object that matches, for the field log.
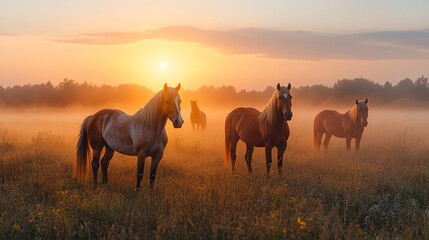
(421, 88)
(388, 91)
(404, 89)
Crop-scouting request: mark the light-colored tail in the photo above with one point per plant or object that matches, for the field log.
(227, 159)
(82, 152)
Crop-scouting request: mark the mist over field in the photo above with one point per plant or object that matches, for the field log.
(379, 191)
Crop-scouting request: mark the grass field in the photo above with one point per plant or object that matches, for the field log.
(380, 192)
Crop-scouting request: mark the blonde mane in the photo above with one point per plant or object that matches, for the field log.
(353, 113)
(268, 115)
(150, 113)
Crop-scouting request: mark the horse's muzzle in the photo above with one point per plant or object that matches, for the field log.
(365, 124)
(288, 115)
(178, 123)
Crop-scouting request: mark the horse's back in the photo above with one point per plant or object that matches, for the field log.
(111, 126)
(242, 115)
(97, 120)
(242, 123)
(330, 121)
(105, 116)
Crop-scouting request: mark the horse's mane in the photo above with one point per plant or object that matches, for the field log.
(268, 115)
(353, 113)
(150, 113)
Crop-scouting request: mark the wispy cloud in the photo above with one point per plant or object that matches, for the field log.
(8, 34)
(281, 44)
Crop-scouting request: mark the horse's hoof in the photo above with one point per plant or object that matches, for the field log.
(137, 189)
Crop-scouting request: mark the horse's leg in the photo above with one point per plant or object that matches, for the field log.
(96, 162)
(140, 168)
(248, 157)
(280, 151)
(357, 142)
(326, 141)
(156, 158)
(348, 142)
(268, 158)
(105, 162)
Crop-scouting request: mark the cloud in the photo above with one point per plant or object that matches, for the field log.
(296, 45)
(8, 35)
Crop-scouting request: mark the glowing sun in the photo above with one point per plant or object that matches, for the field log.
(163, 66)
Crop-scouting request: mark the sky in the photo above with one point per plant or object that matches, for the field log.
(246, 44)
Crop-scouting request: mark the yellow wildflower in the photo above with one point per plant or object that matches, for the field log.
(16, 227)
(301, 223)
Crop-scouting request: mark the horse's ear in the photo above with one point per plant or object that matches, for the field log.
(366, 100)
(357, 101)
(289, 86)
(278, 86)
(178, 87)
(165, 87)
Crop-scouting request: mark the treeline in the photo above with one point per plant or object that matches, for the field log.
(70, 93)
(406, 93)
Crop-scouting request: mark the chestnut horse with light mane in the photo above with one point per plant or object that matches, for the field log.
(348, 125)
(142, 135)
(267, 129)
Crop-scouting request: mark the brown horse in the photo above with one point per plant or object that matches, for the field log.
(198, 117)
(348, 125)
(260, 129)
(142, 135)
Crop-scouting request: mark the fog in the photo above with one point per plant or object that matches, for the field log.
(385, 129)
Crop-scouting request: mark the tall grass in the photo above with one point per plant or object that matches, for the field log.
(381, 191)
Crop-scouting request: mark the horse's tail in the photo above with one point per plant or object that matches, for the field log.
(82, 151)
(316, 140)
(227, 159)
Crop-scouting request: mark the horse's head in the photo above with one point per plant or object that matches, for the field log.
(285, 101)
(171, 105)
(362, 107)
(193, 104)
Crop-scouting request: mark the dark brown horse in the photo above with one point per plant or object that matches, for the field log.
(348, 125)
(198, 117)
(142, 135)
(267, 129)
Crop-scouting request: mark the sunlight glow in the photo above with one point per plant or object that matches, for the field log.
(163, 66)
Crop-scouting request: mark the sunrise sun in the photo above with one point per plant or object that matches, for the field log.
(163, 66)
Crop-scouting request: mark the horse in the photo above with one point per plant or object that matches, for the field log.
(142, 134)
(198, 117)
(260, 129)
(348, 125)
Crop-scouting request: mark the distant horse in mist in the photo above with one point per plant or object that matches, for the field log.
(142, 135)
(198, 117)
(348, 125)
(267, 129)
